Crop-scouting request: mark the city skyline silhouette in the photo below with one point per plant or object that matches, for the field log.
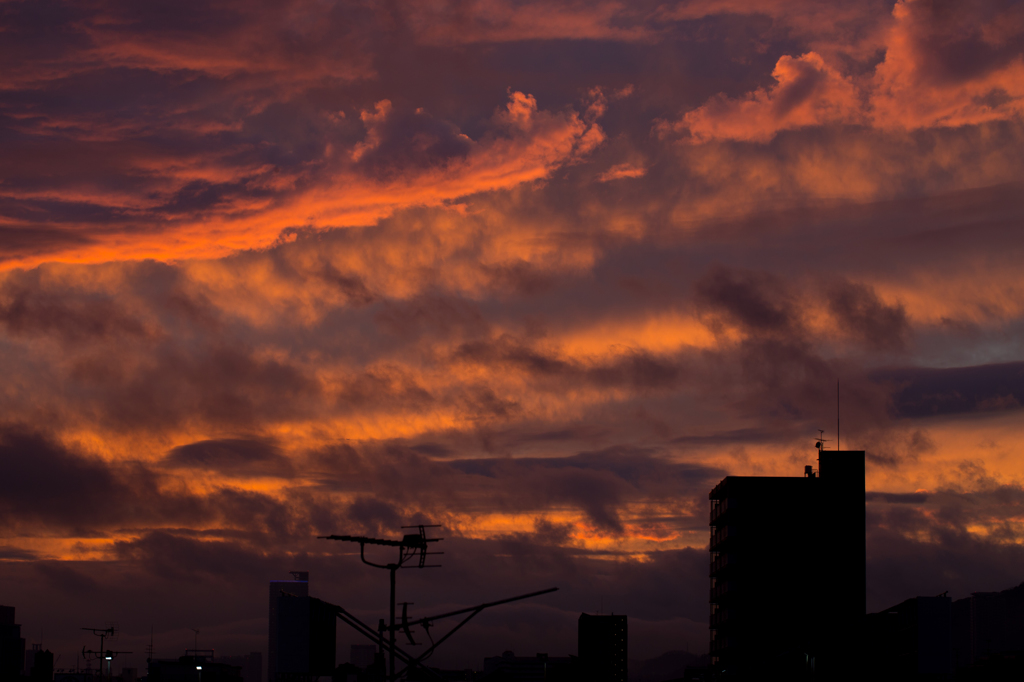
(543, 273)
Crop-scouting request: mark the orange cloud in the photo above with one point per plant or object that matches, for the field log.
(442, 22)
(948, 67)
(808, 93)
(941, 69)
(526, 145)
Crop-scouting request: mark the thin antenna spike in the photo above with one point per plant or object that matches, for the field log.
(837, 415)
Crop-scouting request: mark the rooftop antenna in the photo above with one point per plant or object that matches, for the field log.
(820, 444)
(149, 649)
(411, 546)
(103, 654)
(837, 414)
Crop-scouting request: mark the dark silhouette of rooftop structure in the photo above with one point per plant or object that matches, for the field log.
(787, 573)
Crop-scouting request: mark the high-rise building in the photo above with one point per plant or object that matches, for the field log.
(12, 645)
(787, 573)
(603, 644)
(302, 631)
(297, 586)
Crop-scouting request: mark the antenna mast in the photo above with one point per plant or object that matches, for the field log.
(412, 545)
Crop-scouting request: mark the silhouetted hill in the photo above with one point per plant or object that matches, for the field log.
(669, 666)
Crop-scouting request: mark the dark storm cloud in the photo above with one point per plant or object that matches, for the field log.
(352, 286)
(48, 484)
(230, 384)
(36, 239)
(860, 312)
(233, 456)
(953, 45)
(758, 301)
(925, 391)
(597, 483)
(54, 487)
(928, 549)
(373, 515)
(173, 556)
(896, 498)
(433, 315)
(26, 308)
(639, 369)
(399, 139)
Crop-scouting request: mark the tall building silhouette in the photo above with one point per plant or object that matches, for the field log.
(603, 647)
(302, 631)
(12, 645)
(298, 586)
(788, 573)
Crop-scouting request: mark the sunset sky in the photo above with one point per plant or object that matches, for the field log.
(541, 272)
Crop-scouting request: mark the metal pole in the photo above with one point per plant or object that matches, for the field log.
(391, 654)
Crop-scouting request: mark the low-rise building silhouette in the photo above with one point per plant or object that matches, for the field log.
(195, 666)
(251, 665)
(980, 637)
(511, 668)
(788, 574)
(988, 635)
(911, 641)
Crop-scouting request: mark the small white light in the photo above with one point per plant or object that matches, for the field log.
(109, 657)
(199, 667)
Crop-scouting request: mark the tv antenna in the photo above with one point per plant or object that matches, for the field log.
(820, 444)
(411, 546)
(413, 550)
(103, 654)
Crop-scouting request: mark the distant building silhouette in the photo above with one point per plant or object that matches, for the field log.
(251, 665)
(988, 635)
(603, 646)
(511, 668)
(788, 573)
(911, 641)
(980, 637)
(12, 645)
(39, 667)
(362, 655)
(195, 666)
(302, 631)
